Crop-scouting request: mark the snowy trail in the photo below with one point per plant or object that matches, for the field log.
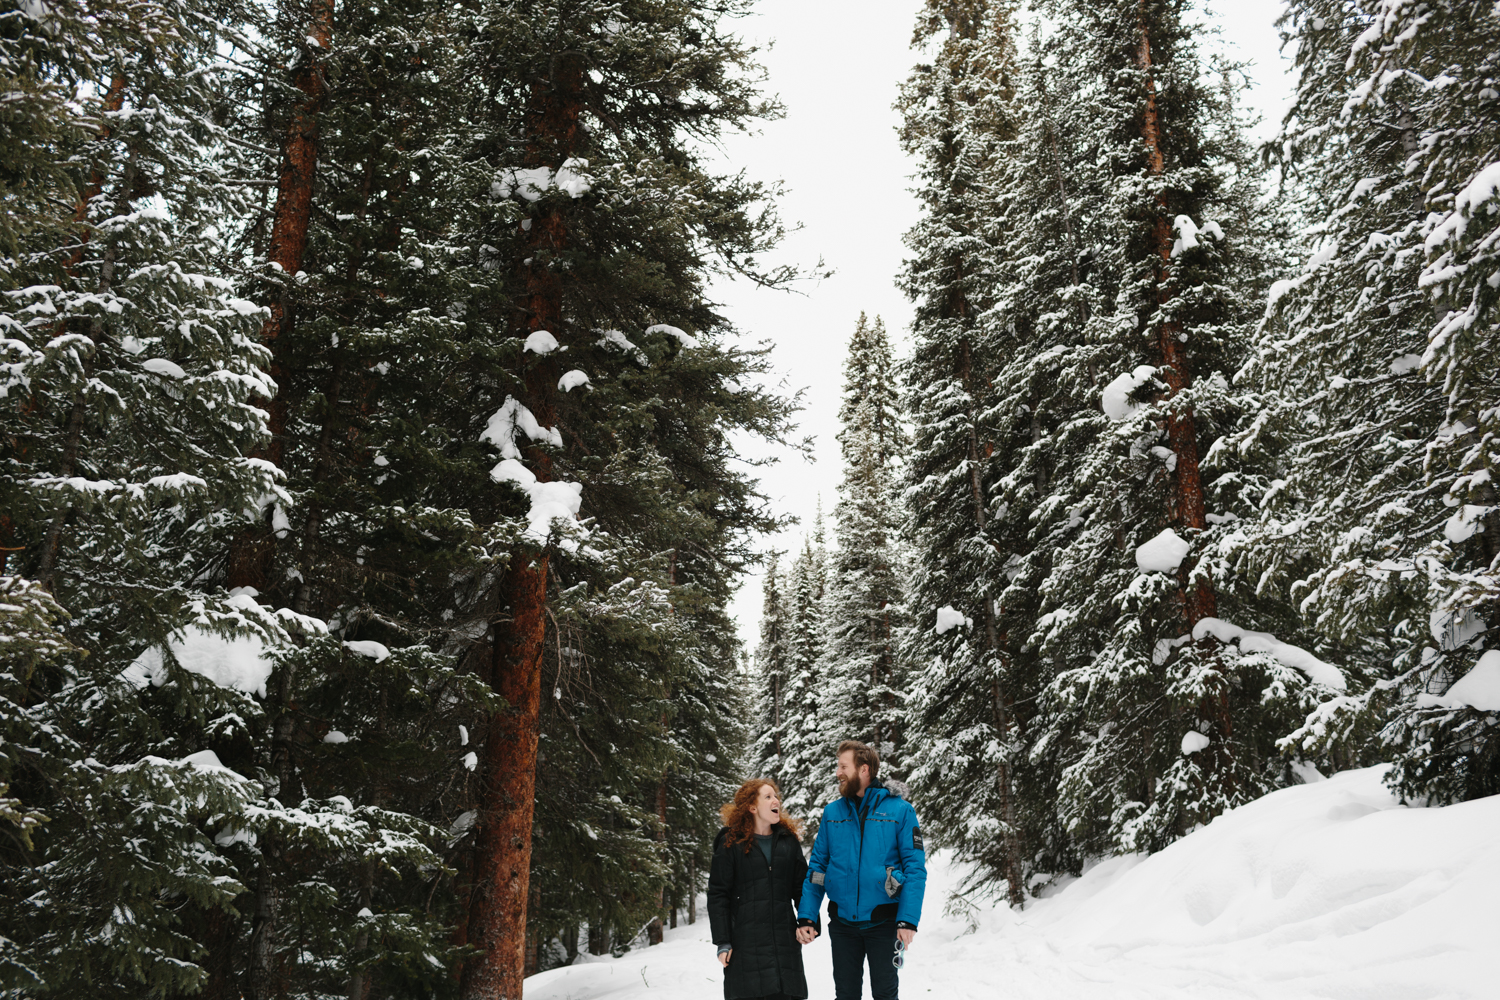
(1329, 891)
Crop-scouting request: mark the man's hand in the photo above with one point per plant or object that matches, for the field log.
(806, 935)
(724, 957)
(904, 935)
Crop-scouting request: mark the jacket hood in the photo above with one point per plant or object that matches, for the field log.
(897, 789)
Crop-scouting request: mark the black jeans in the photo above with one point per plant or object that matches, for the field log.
(850, 948)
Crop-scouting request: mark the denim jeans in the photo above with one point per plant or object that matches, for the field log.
(851, 946)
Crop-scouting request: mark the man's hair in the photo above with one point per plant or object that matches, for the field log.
(862, 755)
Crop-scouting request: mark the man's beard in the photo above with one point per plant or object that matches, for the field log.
(849, 788)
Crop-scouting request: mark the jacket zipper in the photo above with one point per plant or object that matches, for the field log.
(860, 863)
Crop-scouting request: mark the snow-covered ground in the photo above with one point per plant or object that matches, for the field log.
(1328, 890)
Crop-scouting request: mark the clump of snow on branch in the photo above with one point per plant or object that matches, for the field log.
(947, 619)
(1163, 553)
(549, 501)
(1116, 399)
(1188, 233)
(617, 341)
(1193, 741)
(540, 342)
(532, 183)
(1465, 523)
(1479, 688)
(366, 647)
(1318, 671)
(500, 431)
(241, 660)
(683, 337)
(161, 366)
(572, 380)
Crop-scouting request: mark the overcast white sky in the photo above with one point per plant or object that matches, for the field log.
(836, 65)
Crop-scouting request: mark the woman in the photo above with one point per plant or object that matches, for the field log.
(753, 887)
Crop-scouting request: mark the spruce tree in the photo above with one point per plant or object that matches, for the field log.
(962, 750)
(864, 614)
(1160, 713)
(808, 745)
(772, 676)
(1376, 401)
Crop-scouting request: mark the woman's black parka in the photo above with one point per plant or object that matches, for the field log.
(752, 906)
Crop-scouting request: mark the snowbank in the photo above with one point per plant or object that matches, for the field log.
(1326, 890)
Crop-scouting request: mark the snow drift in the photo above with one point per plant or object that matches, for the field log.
(1327, 890)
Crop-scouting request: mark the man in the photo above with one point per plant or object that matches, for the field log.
(869, 860)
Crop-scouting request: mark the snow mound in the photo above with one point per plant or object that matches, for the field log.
(1324, 890)
(1162, 554)
(572, 379)
(1330, 890)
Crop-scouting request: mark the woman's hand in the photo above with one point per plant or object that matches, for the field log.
(724, 957)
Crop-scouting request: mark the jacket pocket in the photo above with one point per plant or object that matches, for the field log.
(892, 884)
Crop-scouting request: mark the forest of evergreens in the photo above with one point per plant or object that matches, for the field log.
(370, 508)
(1187, 485)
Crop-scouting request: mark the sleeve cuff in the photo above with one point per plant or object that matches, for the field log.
(725, 947)
(905, 925)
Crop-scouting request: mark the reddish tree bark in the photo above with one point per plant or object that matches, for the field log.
(502, 847)
(251, 553)
(501, 874)
(1187, 507)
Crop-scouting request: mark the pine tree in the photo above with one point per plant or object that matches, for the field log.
(1377, 405)
(808, 745)
(962, 746)
(586, 116)
(864, 614)
(1155, 720)
(772, 676)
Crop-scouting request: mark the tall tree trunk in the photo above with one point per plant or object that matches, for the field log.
(251, 554)
(263, 975)
(692, 890)
(1187, 506)
(654, 928)
(502, 834)
(502, 852)
(598, 935)
(216, 930)
(533, 933)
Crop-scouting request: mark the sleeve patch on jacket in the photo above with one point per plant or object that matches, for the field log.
(819, 878)
(916, 839)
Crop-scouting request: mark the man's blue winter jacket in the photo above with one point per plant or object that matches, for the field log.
(868, 853)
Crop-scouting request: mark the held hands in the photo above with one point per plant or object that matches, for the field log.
(724, 957)
(806, 935)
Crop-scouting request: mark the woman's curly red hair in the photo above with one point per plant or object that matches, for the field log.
(741, 822)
